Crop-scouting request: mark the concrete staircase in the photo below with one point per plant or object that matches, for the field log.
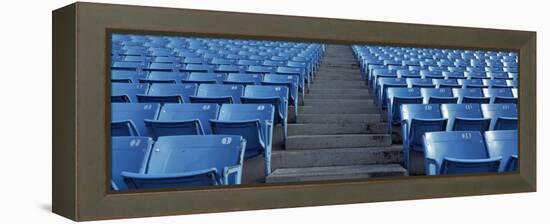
(338, 134)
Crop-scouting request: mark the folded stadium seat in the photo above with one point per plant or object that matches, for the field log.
(427, 74)
(465, 117)
(183, 119)
(382, 86)
(477, 63)
(496, 83)
(396, 97)
(453, 75)
(407, 74)
(370, 69)
(392, 62)
(503, 144)
(127, 119)
(471, 83)
(475, 69)
(494, 69)
(417, 119)
(134, 58)
(457, 152)
(274, 95)
(192, 160)
(290, 81)
(445, 63)
(260, 69)
(438, 96)
(476, 75)
(229, 69)
(127, 76)
(503, 116)
(272, 63)
(126, 92)
(128, 154)
(249, 62)
(306, 66)
(197, 68)
(194, 60)
(163, 67)
(470, 95)
(381, 73)
(500, 95)
(252, 121)
(420, 83)
(205, 78)
(446, 83)
(243, 79)
(171, 60)
(456, 69)
(461, 63)
(300, 72)
(222, 61)
(164, 77)
(437, 69)
(498, 75)
(126, 65)
(168, 93)
(218, 93)
(257, 57)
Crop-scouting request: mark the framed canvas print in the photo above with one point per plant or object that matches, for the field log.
(201, 111)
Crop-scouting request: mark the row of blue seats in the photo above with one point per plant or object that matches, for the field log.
(419, 119)
(464, 152)
(254, 122)
(167, 93)
(171, 161)
(430, 74)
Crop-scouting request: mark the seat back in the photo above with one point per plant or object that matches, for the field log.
(134, 114)
(504, 144)
(128, 154)
(218, 93)
(126, 92)
(419, 119)
(243, 78)
(420, 83)
(127, 76)
(164, 77)
(193, 160)
(397, 96)
(464, 117)
(169, 93)
(265, 95)
(204, 77)
(503, 116)
(179, 119)
(438, 96)
(470, 95)
(457, 152)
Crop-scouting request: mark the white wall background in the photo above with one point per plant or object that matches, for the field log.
(25, 73)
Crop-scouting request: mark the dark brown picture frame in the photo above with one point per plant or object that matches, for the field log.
(81, 111)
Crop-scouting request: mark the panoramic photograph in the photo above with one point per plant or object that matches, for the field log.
(194, 111)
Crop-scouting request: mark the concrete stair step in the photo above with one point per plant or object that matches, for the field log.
(336, 157)
(338, 96)
(339, 83)
(335, 173)
(338, 76)
(334, 90)
(344, 119)
(351, 85)
(337, 141)
(335, 128)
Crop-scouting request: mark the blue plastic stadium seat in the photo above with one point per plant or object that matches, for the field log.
(127, 65)
(128, 154)
(172, 60)
(420, 83)
(503, 116)
(183, 119)
(500, 95)
(471, 83)
(127, 119)
(470, 95)
(166, 67)
(197, 68)
(290, 81)
(496, 83)
(260, 69)
(438, 96)
(396, 97)
(454, 75)
(446, 83)
(498, 75)
(252, 121)
(300, 72)
(248, 62)
(194, 60)
(243, 79)
(382, 86)
(457, 152)
(192, 160)
(229, 69)
(168, 93)
(417, 119)
(126, 92)
(221, 61)
(476, 75)
(465, 117)
(503, 144)
(408, 74)
(218, 93)
(274, 95)
(127, 76)
(164, 77)
(205, 78)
